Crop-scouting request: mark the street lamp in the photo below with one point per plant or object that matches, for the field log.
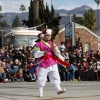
(70, 29)
(69, 15)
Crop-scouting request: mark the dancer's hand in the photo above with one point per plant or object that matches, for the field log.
(53, 47)
(54, 50)
(45, 52)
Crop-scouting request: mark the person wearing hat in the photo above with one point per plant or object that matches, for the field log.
(40, 36)
(44, 50)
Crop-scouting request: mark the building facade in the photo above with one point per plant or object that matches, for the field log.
(88, 38)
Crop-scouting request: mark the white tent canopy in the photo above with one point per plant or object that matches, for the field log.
(22, 36)
(23, 32)
(26, 32)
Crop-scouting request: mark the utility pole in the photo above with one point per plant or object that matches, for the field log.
(70, 18)
(70, 29)
(51, 4)
(2, 37)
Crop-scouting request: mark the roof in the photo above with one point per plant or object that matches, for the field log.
(26, 32)
(80, 26)
(23, 31)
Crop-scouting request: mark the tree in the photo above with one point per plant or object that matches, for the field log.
(4, 24)
(51, 20)
(45, 15)
(41, 10)
(97, 1)
(38, 22)
(31, 20)
(55, 22)
(0, 11)
(22, 8)
(31, 15)
(89, 19)
(16, 22)
(0, 8)
(52, 10)
(25, 22)
(79, 20)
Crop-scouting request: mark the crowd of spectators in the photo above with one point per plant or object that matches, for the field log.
(14, 62)
(85, 66)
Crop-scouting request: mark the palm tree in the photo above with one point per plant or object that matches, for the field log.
(0, 8)
(0, 11)
(98, 2)
(0, 16)
(22, 8)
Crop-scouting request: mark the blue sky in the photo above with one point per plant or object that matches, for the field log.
(13, 5)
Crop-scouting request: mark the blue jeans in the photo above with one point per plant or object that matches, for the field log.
(65, 76)
(71, 74)
(2, 76)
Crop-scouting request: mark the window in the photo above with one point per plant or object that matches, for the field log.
(87, 47)
(24, 40)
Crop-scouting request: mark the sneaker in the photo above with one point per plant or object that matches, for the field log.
(61, 91)
(41, 95)
(5, 80)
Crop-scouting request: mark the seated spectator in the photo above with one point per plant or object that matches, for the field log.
(8, 56)
(8, 67)
(1, 56)
(21, 67)
(64, 73)
(85, 73)
(98, 69)
(73, 57)
(14, 67)
(82, 70)
(2, 73)
(71, 70)
(66, 55)
(97, 55)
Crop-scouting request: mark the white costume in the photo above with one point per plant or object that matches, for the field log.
(48, 66)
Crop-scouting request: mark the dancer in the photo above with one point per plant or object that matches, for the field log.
(45, 50)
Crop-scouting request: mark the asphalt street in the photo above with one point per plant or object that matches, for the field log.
(29, 91)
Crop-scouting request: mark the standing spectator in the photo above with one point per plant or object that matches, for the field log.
(62, 46)
(98, 69)
(79, 43)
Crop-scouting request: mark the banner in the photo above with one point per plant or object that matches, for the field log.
(70, 34)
